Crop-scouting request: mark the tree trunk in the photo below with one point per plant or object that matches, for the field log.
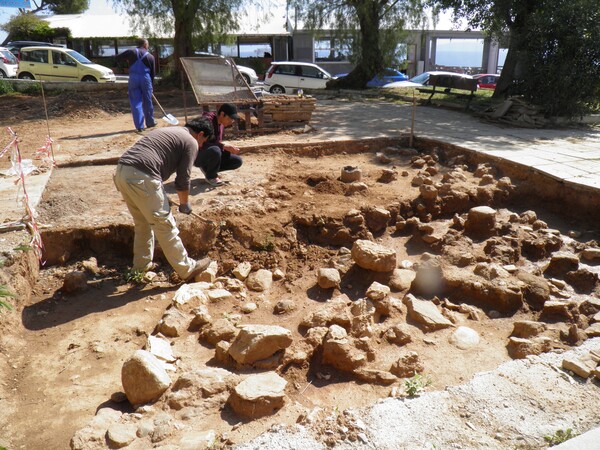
(370, 62)
(184, 13)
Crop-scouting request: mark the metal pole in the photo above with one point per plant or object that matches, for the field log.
(412, 122)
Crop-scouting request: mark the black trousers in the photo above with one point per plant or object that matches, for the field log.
(213, 160)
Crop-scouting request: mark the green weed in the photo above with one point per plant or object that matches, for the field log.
(5, 292)
(6, 88)
(416, 384)
(559, 437)
(135, 276)
(23, 248)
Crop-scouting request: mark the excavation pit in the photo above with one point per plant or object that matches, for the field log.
(288, 212)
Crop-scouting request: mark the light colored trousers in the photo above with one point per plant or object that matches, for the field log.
(149, 205)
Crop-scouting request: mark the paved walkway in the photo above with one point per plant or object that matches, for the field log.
(570, 155)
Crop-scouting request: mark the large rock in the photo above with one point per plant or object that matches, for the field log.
(371, 256)
(194, 387)
(120, 434)
(328, 278)
(426, 314)
(172, 323)
(260, 281)
(377, 219)
(219, 330)
(242, 270)
(75, 282)
(464, 338)
(481, 221)
(144, 378)
(560, 264)
(527, 329)
(536, 290)
(334, 311)
(256, 342)
(407, 366)
(519, 348)
(401, 279)
(258, 395)
(340, 352)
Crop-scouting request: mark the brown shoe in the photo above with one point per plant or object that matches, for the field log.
(201, 266)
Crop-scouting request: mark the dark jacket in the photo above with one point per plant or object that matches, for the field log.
(131, 57)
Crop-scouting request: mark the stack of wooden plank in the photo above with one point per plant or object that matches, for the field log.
(282, 111)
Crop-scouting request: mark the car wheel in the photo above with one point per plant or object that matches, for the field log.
(277, 89)
(26, 76)
(2, 74)
(89, 79)
(247, 78)
(240, 80)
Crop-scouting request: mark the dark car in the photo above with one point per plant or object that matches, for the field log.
(388, 76)
(16, 46)
(486, 80)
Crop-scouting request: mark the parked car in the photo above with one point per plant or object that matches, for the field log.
(423, 79)
(248, 73)
(16, 46)
(286, 77)
(388, 76)
(486, 80)
(8, 63)
(60, 64)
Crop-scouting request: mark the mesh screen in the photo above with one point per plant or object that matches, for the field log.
(216, 80)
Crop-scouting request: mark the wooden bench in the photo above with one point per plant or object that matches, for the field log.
(449, 82)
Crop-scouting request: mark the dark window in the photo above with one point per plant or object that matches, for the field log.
(311, 72)
(40, 56)
(286, 69)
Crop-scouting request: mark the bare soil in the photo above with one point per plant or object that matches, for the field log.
(62, 353)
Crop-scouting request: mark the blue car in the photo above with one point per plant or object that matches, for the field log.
(388, 76)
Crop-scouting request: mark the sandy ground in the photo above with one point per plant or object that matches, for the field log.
(62, 354)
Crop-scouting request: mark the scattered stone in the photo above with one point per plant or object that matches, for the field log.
(172, 323)
(591, 254)
(560, 264)
(242, 271)
(278, 274)
(260, 280)
(143, 377)
(527, 329)
(328, 278)
(401, 279)
(196, 440)
(284, 307)
(210, 274)
(356, 187)
(219, 330)
(593, 330)
(578, 367)
(91, 266)
(334, 311)
(256, 342)
(583, 280)
(371, 256)
(428, 192)
(398, 334)
(377, 291)
(340, 352)
(377, 219)
(528, 217)
(219, 295)
(191, 292)
(249, 307)
(374, 376)
(74, 282)
(481, 221)
(558, 309)
(519, 348)
(121, 434)
(387, 176)
(426, 314)
(201, 317)
(407, 366)
(161, 348)
(93, 435)
(350, 174)
(464, 338)
(258, 395)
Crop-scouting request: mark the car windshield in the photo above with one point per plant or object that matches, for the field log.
(9, 56)
(420, 78)
(79, 57)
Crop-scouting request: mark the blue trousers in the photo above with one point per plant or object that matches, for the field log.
(212, 161)
(140, 98)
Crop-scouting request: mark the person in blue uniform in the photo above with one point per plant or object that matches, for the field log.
(141, 76)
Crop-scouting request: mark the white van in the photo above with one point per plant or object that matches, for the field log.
(286, 77)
